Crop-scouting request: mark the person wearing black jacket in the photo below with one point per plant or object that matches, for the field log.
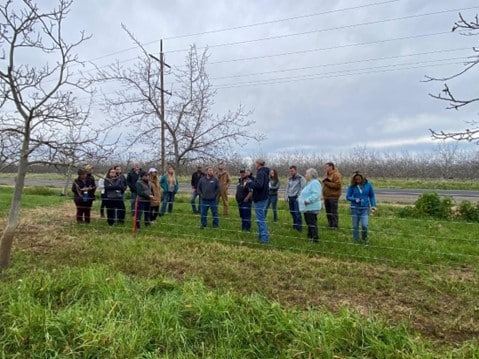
(195, 179)
(83, 189)
(260, 199)
(131, 180)
(114, 188)
(122, 178)
(144, 196)
(244, 194)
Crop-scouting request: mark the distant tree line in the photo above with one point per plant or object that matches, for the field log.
(446, 162)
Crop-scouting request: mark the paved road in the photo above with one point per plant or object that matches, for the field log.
(382, 194)
(411, 195)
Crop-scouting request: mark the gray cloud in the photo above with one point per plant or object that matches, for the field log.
(342, 94)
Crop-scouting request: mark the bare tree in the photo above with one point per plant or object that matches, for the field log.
(193, 132)
(82, 144)
(466, 28)
(38, 103)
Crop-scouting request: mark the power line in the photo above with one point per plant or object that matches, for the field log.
(331, 47)
(333, 74)
(341, 63)
(278, 20)
(286, 35)
(327, 76)
(305, 51)
(368, 23)
(239, 27)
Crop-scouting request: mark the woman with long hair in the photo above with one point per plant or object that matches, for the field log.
(361, 195)
(83, 189)
(273, 193)
(169, 185)
(156, 191)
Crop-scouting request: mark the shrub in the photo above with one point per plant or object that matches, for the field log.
(408, 212)
(431, 205)
(468, 211)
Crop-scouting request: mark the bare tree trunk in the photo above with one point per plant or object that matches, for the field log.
(8, 234)
(68, 181)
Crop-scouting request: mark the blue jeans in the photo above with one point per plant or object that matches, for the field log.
(260, 211)
(168, 198)
(273, 201)
(195, 194)
(205, 205)
(245, 215)
(294, 210)
(360, 215)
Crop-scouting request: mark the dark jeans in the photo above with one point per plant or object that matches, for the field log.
(83, 211)
(143, 209)
(205, 205)
(273, 201)
(195, 194)
(311, 219)
(331, 207)
(154, 211)
(114, 210)
(168, 199)
(294, 210)
(245, 215)
(103, 204)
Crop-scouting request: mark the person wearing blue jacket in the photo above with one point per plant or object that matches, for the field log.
(169, 185)
(309, 202)
(361, 195)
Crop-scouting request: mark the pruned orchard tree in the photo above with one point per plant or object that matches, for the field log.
(82, 144)
(466, 28)
(39, 106)
(192, 131)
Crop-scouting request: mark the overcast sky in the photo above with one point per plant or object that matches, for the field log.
(321, 76)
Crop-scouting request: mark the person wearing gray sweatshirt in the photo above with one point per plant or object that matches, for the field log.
(208, 190)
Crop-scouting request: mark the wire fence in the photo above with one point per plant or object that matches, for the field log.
(393, 240)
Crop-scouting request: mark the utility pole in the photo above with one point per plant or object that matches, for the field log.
(161, 60)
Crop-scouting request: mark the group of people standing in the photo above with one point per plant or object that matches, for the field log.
(304, 195)
(252, 191)
(147, 190)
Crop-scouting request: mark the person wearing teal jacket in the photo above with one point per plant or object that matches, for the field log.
(361, 195)
(169, 185)
(309, 202)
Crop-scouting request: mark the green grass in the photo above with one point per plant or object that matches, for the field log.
(432, 184)
(95, 313)
(176, 291)
(33, 197)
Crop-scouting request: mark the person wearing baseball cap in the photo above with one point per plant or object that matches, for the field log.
(244, 195)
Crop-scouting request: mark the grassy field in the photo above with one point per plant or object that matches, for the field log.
(175, 291)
